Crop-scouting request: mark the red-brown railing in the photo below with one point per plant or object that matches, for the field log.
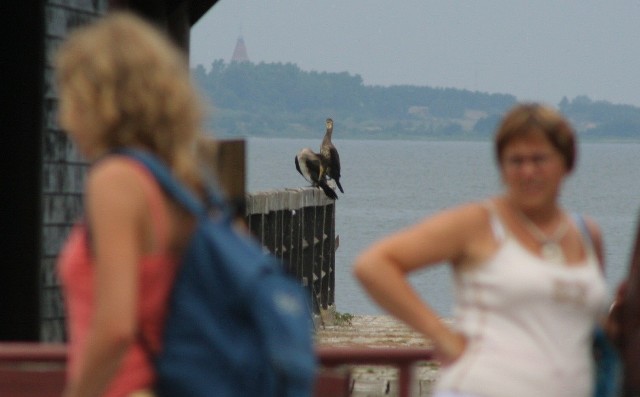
(32, 369)
(403, 359)
(38, 370)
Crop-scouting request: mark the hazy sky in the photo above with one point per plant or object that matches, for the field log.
(534, 49)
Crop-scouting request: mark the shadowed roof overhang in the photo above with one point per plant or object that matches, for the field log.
(196, 8)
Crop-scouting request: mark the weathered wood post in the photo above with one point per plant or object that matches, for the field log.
(226, 160)
(297, 225)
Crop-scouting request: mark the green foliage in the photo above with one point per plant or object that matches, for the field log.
(282, 100)
(343, 318)
(602, 119)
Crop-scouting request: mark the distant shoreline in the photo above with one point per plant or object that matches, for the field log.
(581, 138)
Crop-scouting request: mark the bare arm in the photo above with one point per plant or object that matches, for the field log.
(115, 209)
(382, 269)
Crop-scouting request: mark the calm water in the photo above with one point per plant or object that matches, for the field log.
(392, 184)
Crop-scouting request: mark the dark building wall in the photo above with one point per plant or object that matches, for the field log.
(63, 170)
(21, 120)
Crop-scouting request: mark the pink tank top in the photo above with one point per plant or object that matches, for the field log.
(157, 271)
(529, 324)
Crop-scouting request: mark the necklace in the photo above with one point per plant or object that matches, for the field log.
(551, 249)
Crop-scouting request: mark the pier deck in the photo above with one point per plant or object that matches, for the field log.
(379, 332)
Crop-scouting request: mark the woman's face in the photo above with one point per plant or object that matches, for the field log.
(532, 170)
(74, 119)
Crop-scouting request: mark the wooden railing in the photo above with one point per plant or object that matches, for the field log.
(404, 359)
(39, 370)
(32, 369)
(298, 227)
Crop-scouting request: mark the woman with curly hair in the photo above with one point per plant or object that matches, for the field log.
(122, 84)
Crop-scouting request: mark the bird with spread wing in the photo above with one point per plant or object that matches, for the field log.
(310, 165)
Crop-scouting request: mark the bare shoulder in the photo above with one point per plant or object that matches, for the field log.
(475, 212)
(465, 217)
(115, 168)
(114, 179)
(462, 226)
(472, 221)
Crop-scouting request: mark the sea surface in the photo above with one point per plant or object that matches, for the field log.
(391, 184)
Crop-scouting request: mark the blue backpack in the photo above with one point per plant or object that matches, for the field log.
(237, 325)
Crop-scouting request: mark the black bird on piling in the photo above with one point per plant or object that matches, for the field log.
(310, 166)
(330, 155)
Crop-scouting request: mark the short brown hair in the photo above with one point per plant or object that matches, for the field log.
(528, 118)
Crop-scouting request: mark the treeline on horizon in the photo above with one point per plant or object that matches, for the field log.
(281, 100)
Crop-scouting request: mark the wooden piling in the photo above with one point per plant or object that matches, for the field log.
(297, 226)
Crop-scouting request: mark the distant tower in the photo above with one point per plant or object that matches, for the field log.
(240, 52)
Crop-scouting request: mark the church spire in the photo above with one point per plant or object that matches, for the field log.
(240, 52)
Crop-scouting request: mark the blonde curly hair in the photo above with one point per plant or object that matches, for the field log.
(134, 86)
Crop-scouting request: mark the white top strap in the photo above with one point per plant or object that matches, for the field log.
(499, 231)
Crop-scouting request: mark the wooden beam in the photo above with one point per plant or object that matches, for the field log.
(226, 160)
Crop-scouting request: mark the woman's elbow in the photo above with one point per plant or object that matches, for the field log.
(358, 269)
(364, 266)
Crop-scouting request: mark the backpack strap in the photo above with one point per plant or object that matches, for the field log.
(157, 206)
(586, 237)
(582, 226)
(175, 188)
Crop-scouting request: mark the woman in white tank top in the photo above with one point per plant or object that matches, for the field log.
(529, 285)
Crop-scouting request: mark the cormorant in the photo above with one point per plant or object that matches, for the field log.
(309, 165)
(331, 156)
